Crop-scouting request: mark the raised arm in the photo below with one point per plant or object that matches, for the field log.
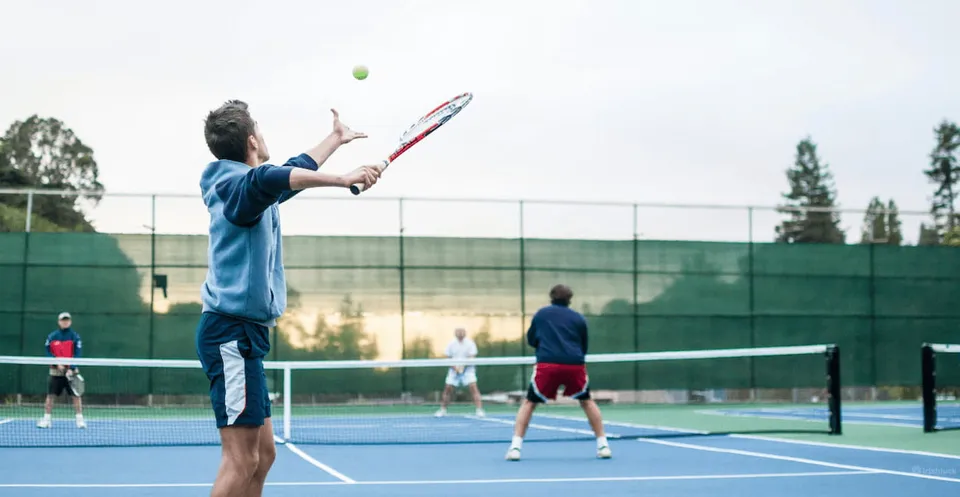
(307, 161)
(247, 196)
(318, 155)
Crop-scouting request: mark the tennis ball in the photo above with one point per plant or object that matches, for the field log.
(360, 72)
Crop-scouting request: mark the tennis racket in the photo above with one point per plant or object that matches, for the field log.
(422, 128)
(76, 384)
(459, 371)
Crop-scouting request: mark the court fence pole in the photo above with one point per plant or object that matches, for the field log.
(523, 298)
(29, 210)
(403, 296)
(23, 293)
(636, 298)
(752, 304)
(287, 401)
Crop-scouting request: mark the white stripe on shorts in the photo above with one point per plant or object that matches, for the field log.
(234, 380)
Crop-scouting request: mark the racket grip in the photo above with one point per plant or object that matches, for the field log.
(357, 188)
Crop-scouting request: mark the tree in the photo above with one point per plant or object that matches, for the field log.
(811, 185)
(952, 237)
(944, 172)
(928, 235)
(346, 340)
(881, 224)
(420, 347)
(44, 153)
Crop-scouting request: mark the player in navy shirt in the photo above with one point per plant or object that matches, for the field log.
(559, 335)
(245, 288)
(64, 342)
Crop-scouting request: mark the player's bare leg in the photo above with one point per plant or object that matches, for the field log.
(477, 402)
(78, 408)
(47, 412)
(520, 429)
(596, 423)
(444, 400)
(239, 460)
(267, 454)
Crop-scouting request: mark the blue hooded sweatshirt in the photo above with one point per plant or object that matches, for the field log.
(245, 254)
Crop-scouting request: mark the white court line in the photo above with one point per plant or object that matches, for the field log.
(541, 427)
(4, 421)
(867, 448)
(757, 414)
(306, 457)
(764, 455)
(611, 479)
(853, 447)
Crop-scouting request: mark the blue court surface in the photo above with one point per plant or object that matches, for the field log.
(710, 465)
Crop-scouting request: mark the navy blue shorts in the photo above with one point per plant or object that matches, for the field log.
(231, 352)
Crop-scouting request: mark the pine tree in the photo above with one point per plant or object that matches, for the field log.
(944, 172)
(874, 223)
(928, 235)
(811, 185)
(881, 224)
(894, 226)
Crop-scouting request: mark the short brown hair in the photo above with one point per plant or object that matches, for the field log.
(561, 295)
(226, 130)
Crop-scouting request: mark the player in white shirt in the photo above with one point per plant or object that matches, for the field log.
(461, 347)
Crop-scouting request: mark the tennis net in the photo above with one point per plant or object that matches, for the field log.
(940, 374)
(658, 394)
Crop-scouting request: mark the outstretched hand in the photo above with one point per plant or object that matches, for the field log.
(342, 131)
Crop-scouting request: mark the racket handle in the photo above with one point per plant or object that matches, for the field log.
(357, 188)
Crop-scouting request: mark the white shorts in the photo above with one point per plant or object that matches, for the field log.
(469, 376)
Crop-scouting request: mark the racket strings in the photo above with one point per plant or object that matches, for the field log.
(438, 116)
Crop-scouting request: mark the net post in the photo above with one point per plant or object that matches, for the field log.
(833, 389)
(928, 377)
(287, 401)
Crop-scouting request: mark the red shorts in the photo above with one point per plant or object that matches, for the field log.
(547, 379)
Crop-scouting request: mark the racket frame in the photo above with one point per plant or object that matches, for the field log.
(409, 143)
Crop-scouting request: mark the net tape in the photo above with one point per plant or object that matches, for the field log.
(413, 363)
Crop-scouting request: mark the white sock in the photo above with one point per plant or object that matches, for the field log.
(79, 416)
(517, 442)
(46, 415)
(601, 441)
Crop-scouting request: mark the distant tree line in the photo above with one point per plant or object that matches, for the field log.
(812, 198)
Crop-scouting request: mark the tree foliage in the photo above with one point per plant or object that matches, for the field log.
(881, 223)
(944, 173)
(347, 339)
(44, 153)
(811, 185)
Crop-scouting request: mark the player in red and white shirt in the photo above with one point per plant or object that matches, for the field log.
(64, 342)
(461, 347)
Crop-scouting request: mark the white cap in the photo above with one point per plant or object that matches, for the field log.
(63, 315)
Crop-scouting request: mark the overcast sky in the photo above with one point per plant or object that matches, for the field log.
(633, 101)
